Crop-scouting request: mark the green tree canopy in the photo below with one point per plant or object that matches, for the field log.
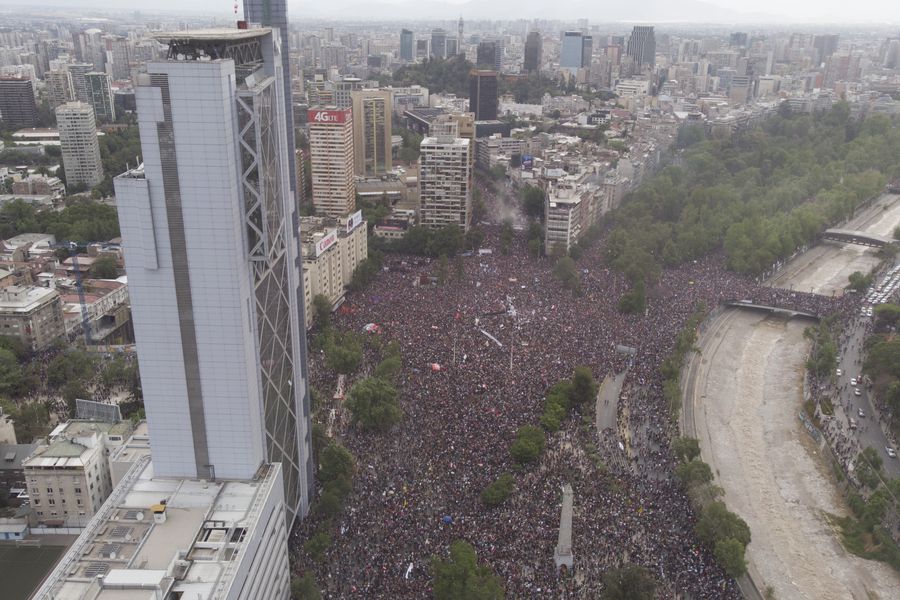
(629, 582)
(105, 267)
(373, 404)
(730, 554)
(529, 444)
(462, 578)
(305, 588)
(686, 448)
(718, 523)
(498, 491)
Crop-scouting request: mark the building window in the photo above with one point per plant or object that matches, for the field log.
(37, 502)
(51, 501)
(78, 501)
(40, 513)
(49, 490)
(78, 490)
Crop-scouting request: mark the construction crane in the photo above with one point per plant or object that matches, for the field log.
(72, 247)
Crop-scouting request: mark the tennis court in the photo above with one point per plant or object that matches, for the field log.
(23, 568)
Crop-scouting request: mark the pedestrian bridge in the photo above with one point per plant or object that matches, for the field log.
(848, 236)
(790, 313)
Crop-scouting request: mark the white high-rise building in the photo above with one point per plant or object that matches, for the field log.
(211, 248)
(331, 161)
(78, 142)
(444, 181)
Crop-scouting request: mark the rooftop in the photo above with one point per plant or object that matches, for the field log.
(205, 35)
(19, 299)
(156, 537)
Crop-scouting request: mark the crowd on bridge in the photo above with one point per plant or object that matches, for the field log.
(503, 335)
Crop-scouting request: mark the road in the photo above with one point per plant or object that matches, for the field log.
(743, 394)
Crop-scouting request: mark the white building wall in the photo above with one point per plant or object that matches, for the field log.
(203, 119)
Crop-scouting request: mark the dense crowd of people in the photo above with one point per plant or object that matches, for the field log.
(502, 335)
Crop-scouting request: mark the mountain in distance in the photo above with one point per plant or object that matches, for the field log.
(604, 11)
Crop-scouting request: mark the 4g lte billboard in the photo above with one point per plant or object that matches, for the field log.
(328, 116)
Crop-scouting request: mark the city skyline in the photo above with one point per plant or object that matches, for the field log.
(657, 11)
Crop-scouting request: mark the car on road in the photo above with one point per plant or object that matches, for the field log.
(890, 452)
(853, 381)
(856, 392)
(838, 372)
(862, 415)
(852, 423)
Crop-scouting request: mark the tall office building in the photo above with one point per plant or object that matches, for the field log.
(273, 13)
(825, 45)
(438, 43)
(483, 94)
(459, 33)
(17, 106)
(445, 181)
(212, 238)
(100, 96)
(331, 161)
(489, 55)
(575, 51)
(118, 57)
(406, 45)
(372, 111)
(533, 49)
(59, 87)
(642, 46)
(78, 142)
(89, 48)
(78, 72)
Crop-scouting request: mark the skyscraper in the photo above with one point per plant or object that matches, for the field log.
(489, 55)
(118, 57)
(331, 161)
(78, 142)
(483, 95)
(642, 46)
(533, 49)
(444, 181)
(406, 45)
(17, 106)
(372, 111)
(212, 261)
(825, 45)
(59, 87)
(100, 96)
(576, 49)
(78, 72)
(273, 13)
(438, 43)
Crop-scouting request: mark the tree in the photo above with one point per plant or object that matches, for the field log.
(584, 388)
(533, 202)
(15, 345)
(317, 545)
(335, 462)
(498, 491)
(634, 301)
(686, 448)
(528, 445)
(730, 554)
(30, 420)
(105, 267)
(344, 357)
(718, 523)
(567, 272)
(11, 377)
(461, 578)
(506, 237)
(322, 310)
(858, 281)
(373, 404)
(443, 269)
(629, 582)
(74, 365)
(305, 588)
(389, 368)
(693, 473)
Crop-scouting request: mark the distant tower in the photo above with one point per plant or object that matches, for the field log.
(273, 13)
(460, 33)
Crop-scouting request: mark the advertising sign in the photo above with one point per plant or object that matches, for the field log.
(354, 220)
(527, 162)
(326, 242)
(328, 116)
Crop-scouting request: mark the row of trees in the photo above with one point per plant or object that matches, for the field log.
(82, 220)
(722, 531)
(759, 196)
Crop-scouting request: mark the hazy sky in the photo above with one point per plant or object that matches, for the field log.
(807, 11)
